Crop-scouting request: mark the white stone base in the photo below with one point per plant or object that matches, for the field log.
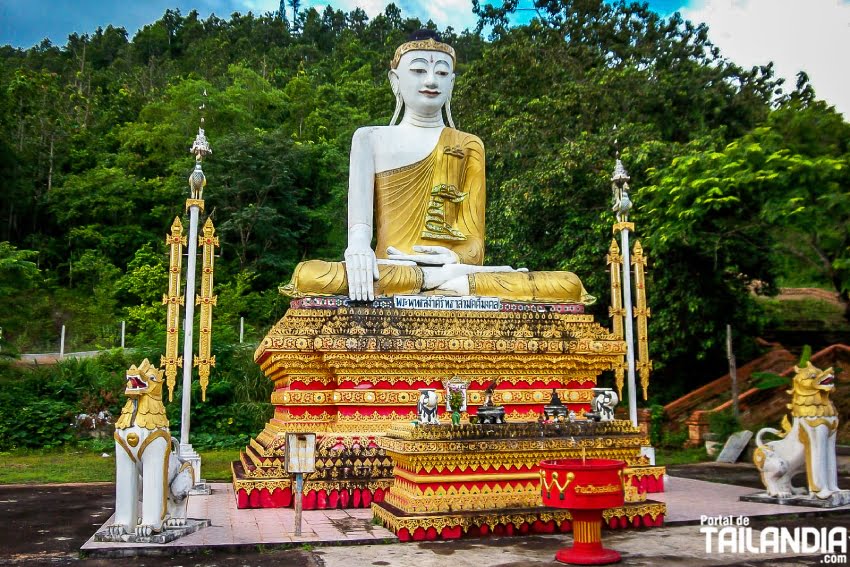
(165, 536)
(840, 498)
(187, 453)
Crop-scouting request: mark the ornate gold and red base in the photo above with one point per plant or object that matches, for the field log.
(348, 373)
(538, 520)
(477, 479)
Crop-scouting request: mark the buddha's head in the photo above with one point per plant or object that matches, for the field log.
(422, 75)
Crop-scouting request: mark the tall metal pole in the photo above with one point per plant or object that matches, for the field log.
(629, 326)
(188, 325)
(195, 204)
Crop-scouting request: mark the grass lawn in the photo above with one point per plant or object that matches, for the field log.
(667, 456)
(85, 465)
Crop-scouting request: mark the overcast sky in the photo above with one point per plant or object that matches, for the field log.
(808, 35)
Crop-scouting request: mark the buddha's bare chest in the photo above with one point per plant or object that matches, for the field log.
(395, 147)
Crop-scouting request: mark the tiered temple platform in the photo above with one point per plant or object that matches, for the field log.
(453, 481)
(351, 372)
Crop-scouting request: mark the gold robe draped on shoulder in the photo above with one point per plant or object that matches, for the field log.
(438, 201)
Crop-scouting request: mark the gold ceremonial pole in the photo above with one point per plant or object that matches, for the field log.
(642, 313)
(195, 206)
(174, 299)
(621, 205)
(206, 300)
(616, 311)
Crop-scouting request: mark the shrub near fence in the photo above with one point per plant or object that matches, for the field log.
(39, 405)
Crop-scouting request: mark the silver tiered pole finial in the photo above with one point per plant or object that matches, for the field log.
(200, 149)
(195, 204)
(621, 204)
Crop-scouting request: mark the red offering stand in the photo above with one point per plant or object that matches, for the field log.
(585, 487)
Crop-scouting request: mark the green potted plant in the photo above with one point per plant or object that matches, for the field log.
(455, 404)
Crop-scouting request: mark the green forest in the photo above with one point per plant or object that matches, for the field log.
(740, 182)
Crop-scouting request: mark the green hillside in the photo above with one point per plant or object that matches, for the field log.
(736, 178)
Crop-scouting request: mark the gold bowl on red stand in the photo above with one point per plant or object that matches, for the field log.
(585, 487)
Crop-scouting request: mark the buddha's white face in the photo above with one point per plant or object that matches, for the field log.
(425, 80)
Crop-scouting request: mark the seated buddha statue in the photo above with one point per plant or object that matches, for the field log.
(418, 188)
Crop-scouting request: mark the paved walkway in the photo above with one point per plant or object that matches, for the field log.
(687, 500)
(233, 528)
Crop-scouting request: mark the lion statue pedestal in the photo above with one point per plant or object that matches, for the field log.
(807, 442)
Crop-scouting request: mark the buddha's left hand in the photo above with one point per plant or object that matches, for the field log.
(428, 255)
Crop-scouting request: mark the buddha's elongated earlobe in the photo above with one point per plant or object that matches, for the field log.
(449, 104)
(397, 92)
(398, 104)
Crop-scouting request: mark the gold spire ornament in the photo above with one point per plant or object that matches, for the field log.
(641, 313)
(616, 311)
(208, 242)
(173, 299)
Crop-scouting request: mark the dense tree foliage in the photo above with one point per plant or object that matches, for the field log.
(736, 180)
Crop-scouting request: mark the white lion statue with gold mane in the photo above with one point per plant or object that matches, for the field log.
(143, 452)
(807, 440)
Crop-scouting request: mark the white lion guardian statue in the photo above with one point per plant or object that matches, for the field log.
(144, 455)
(807, 440)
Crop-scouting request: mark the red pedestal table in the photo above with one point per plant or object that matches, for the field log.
(585, 487)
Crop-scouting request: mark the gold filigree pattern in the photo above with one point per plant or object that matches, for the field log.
(250, 485)
(429, 44)
(571, 436)
(413, 500)
(618, 226)
(357, 417)
(466, 477)
(277, 429)
(641, 313)
(436, 225)
(375, 484)
(491, 519)
(652, 509)
(616, 311)
(352, 396)
(203, 360)
(173, 299)
(502, 461)
(642, 471)
(385, 347)
(195, 203)
(333, 328)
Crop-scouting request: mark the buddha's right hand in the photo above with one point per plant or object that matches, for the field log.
(425, 255)
(361, 268)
